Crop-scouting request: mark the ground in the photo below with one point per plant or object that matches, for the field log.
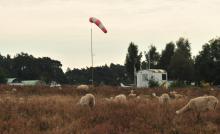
(44, 110)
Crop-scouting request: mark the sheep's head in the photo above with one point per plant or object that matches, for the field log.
(154, 94)
(177, 112)
(132, 91)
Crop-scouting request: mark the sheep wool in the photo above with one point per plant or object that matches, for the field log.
(120, 98)
(132, 95)
(163, 99)
(83, 87)
(200, 104)
(87, 100)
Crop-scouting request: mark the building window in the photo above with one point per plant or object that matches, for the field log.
(164, 77)
(144, 77)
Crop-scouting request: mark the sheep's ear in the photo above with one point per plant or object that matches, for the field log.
(177, 112)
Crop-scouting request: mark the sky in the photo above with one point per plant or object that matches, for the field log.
(60, 29)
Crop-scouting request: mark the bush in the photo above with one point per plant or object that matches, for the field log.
(2, 76)
(177, 84)
(153, 83)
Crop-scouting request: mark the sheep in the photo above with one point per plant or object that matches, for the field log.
(120, 98)
(132, 95)
(144, 97)
(87, 100)
(200, 104)
(163, 99)
(212, 89)
(109, 99)
(117, 99)
(14, 89)
(21, 100)
(164, 85)
(176, 95)
(83, 87)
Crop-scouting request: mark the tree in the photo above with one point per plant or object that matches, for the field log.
(166, 56)
(132, 61)
(27, 67)
(110, 75)
(181, 65)
(207, 63)
(2, 76)
(153, 57)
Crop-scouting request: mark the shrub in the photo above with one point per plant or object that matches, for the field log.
(177, 84)
(2, 76)
(153, 83)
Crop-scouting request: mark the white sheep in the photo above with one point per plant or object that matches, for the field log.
(109, 99)
(21, 100)
(120, 98)
(117, 99)
(83, 87)
(14, 89)
(132, 95)
(176, 95)
(164, 85)
(144, 97)
(200, 104)
(87, 100)
(163, 99)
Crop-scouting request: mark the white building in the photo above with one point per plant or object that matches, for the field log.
(143, 77)
(14, 82)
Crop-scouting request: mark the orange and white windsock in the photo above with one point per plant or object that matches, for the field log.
(98, 23)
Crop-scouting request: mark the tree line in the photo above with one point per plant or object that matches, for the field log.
(27, 67)
(175, 58)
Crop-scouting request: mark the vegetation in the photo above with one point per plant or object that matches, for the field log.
(104, 75)
(207, 63)
(153, 83)
(176, 58)
(152, 57)
(132, 61)
(37, 110)
(2, 76)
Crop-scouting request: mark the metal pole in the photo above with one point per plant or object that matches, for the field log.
(149, 59)
(91, 55)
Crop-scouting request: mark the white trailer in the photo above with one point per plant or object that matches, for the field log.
(144, 76)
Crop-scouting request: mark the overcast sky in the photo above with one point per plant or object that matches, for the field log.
(60, 29)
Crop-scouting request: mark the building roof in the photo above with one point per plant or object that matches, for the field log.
(10, 80)
(32, 82)
(157, 70)
(153, 70)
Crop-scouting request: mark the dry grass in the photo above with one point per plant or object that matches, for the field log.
(42, 110)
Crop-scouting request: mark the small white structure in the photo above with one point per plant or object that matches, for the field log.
(54, 84)
(14, 82)
(144, 76)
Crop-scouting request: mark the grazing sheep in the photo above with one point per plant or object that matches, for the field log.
(117, 99)
(109, 99)
(200, 104)
(175, 95)
(164, 85)
(144, 97)
(212, 89)
(163, 99)
(87, 100)
(21, 100)
(120, 98)
(83, 87)
(132, 95)
(14, 89)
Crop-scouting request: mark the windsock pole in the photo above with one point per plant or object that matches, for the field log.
(92, 55)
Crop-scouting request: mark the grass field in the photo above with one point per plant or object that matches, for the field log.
(43, 110)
